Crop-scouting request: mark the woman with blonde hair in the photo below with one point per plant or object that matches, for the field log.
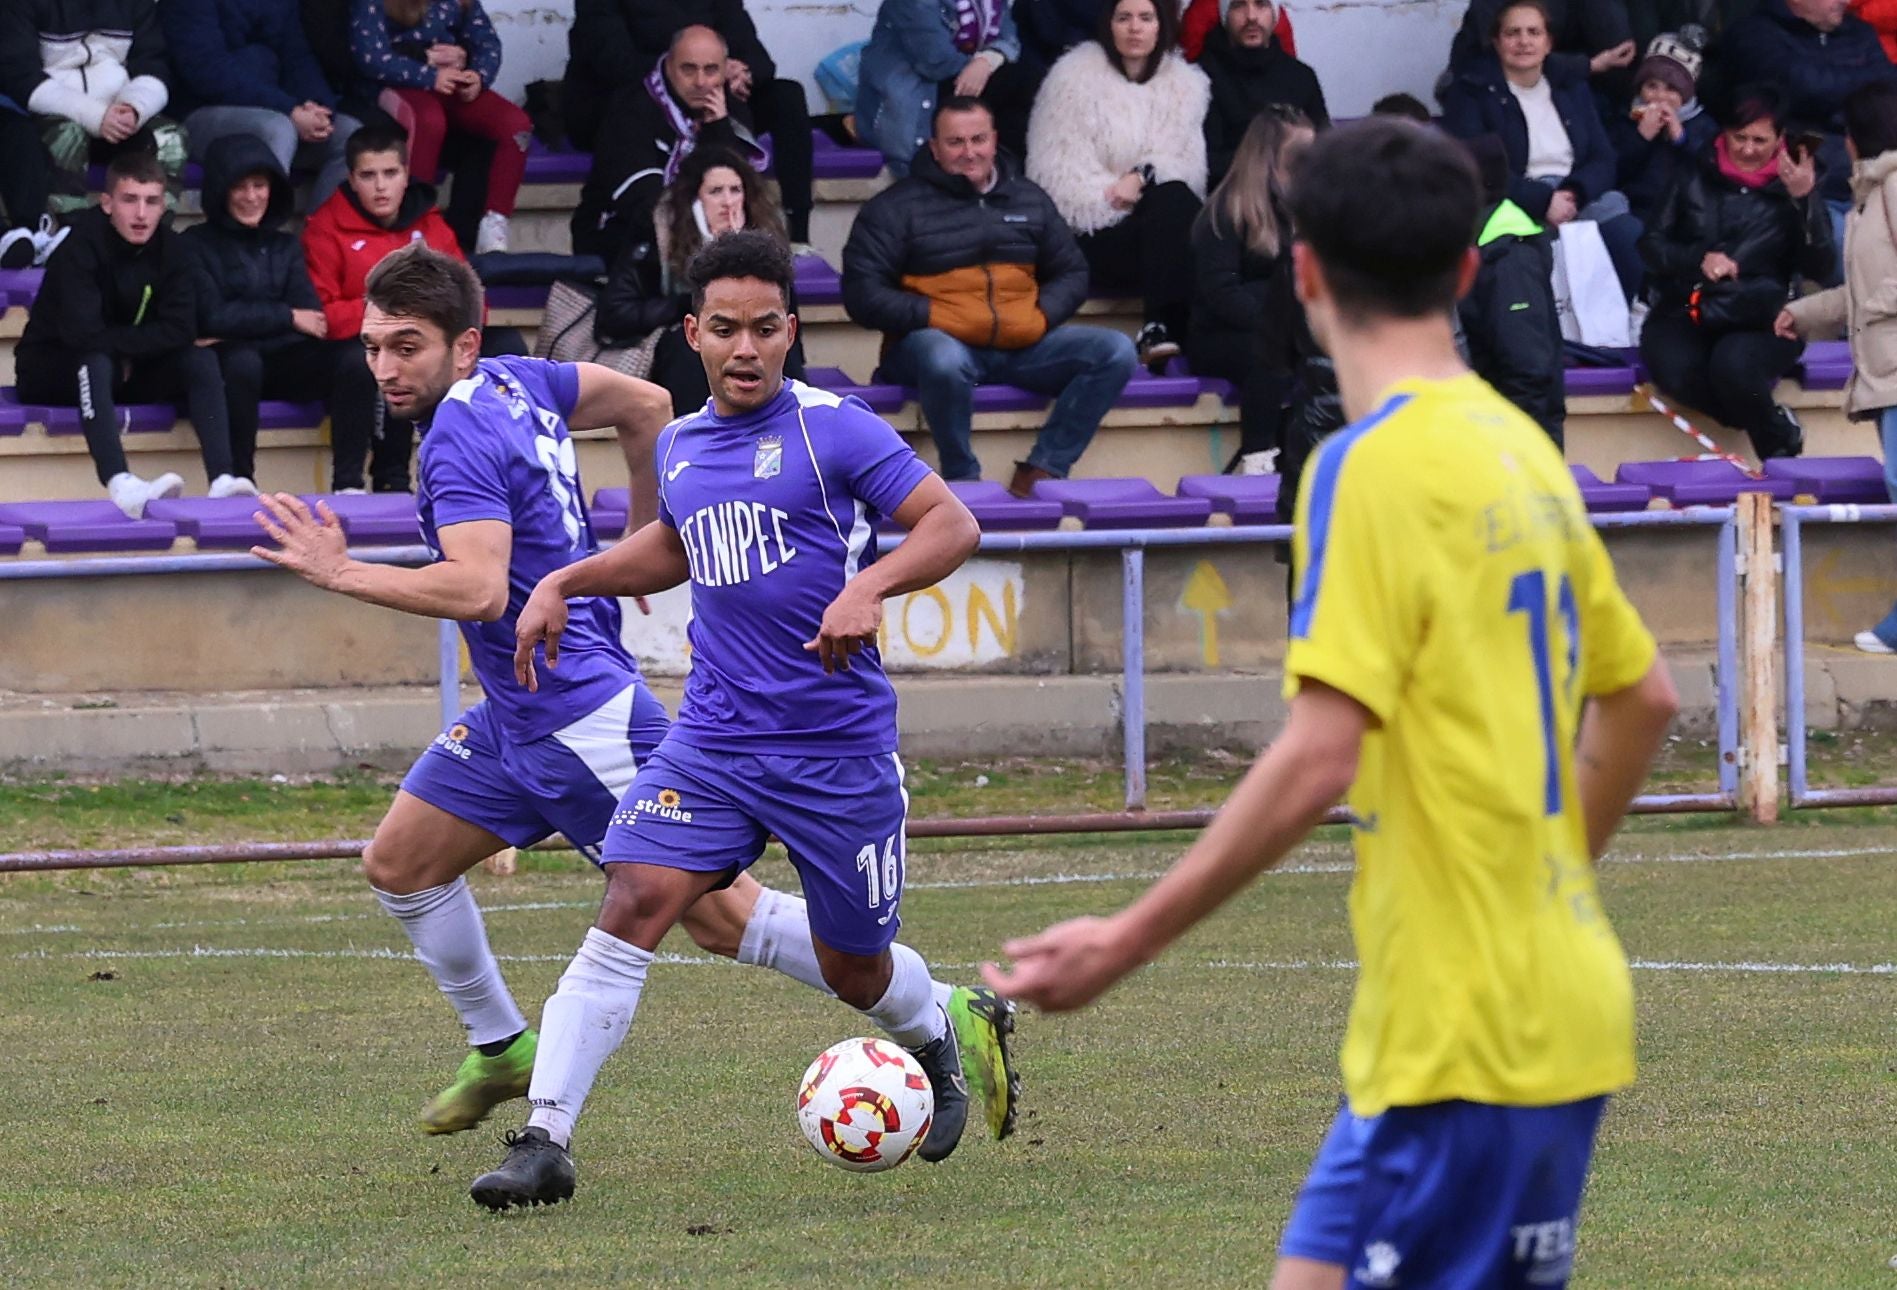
(1247, 325)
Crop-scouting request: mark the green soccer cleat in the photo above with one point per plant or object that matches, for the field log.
(482, 1084)
(983, 1021)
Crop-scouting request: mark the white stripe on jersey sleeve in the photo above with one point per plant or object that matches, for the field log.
(462, 391)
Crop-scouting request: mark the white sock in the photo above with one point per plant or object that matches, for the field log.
(584, 1021)
(908, 1012)
(778, 937)
(444, 924)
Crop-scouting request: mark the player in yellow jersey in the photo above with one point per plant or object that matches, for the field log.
(1463, 665)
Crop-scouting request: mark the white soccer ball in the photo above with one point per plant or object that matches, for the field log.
(865, 1105)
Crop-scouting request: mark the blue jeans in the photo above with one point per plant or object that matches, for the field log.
(209, 124)
(1084, 368)
(1887, 431)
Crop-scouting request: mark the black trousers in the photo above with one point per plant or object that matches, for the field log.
(95, 382)
(26, 172)
(677, 366)
(1150, 252)
(1009, 95)
(305, 370)
(1262, 390)
(779, 110)
(394, 438)
(1729, 375)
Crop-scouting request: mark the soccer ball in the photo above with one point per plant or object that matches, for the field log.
(865, 1105)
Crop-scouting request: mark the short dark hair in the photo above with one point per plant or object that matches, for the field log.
(1501, 16)
(959, 103)
(1491, 164)
(1403, 105)
(1870, 118)
(1168, 40)
(136, 167)
(380, 136)
(747, 253)
(1388, 207)
(418, 281)
(1754, 103)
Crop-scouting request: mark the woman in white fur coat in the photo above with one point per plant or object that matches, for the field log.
(1118, 141)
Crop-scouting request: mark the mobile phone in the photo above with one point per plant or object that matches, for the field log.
(1804, 144)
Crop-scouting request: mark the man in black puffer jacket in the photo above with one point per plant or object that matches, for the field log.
(256, 301)
(969, 272)
(1250, 72)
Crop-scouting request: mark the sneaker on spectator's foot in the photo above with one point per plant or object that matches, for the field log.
(1872, 643)
(1258, 463)
(46, 239)
(1156, 347)
(1026, 477)
(232, 486)
(131, 494)
(1787, 438)
(16, 249)
(492, 235)
(350, 492)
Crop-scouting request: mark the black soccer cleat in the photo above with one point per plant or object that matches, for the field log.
(941, 1061)
(537, 1171)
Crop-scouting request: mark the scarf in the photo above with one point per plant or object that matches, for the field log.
(977, 23)
(686, 129)
(1745, 178)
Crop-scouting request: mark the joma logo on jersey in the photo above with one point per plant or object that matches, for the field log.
(727, 543)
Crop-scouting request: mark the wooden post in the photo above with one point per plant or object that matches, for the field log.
(1758, 647)
(502, 863)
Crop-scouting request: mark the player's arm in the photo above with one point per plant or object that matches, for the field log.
(637, 410)
(650, 561)
(942, 534)
(468, 583)
(1620, 736)
(1281, 799)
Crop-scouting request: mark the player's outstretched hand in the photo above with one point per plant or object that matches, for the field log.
(309, 545)
(1067, 966)
(850, 623)
(542, 620)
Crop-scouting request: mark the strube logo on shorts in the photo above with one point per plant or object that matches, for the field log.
(662, 805)
(453, 741)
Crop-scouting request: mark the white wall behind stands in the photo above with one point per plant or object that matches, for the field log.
(1362, 49)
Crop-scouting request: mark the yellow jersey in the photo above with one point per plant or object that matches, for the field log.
(1449, 581)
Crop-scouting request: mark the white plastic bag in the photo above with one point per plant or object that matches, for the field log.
(1587, 292)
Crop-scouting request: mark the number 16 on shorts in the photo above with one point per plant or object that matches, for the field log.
(883, 875)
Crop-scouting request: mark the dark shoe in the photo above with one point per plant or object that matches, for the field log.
(1026, 477)
(941, 1061)
(16, 249)
(1786, 438)
(1156, 347)
(537, 1171)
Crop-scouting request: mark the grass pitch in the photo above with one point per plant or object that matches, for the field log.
(212, 1078)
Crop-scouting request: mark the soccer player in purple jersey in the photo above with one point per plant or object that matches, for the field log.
(500, 507)
(768, 505)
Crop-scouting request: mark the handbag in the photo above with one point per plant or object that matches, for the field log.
(1587, 294)
(566, 334)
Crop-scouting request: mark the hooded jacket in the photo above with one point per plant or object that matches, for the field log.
(101, 294)
(995, 270)
(248, 279)
(75, 58)
(1865, 307)
(1509, 319)
(1244, 83)
(1772, 236)
(342, 242)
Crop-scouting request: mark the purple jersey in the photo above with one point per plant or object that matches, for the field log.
(777, 510)
(497, 449)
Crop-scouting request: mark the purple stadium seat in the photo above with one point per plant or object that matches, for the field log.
(520, 296)
(1248, 499)
(273, 414)
(880, 396)
(832, 160)
(997, 510)
(609, 511)
(1833, 479)
(140, 418)
(1599, 495)
(1123, 504)
(1148, 391)
(1581, 382)
(375, 519)
(1827, 365)
(13, 417)
(1700, 483)
(211, 521)
(21, 285)
(11, 536)
(87, 526)
(546, 166)
(817, 282)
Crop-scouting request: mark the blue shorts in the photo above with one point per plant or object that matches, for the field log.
(841, 818)
(567, 782)
(1450, 1194)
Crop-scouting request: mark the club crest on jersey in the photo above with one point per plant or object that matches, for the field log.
(769, 461)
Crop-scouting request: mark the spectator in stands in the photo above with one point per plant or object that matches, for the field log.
(1245, 314)
(684, 103)
(1407, 106)
(256, 304)
(1508, 318)
(244, 67)
(1882, 16)
(615, 44)
(1589, 37)
(1049, 28)
(1117, 139)
(1201, 18)
(1864, 308)
(435, 61)
(922, 53)
(1729, 240)
(116, 318)
(970, 272)
(1249, 72)
(715, 193)
(377, 210)
(1817, 52)
(93, 77)
(1665, 131)
(1561, 165)
(26, 180)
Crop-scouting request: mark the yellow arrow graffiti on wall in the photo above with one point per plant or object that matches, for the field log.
(1207, 596)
